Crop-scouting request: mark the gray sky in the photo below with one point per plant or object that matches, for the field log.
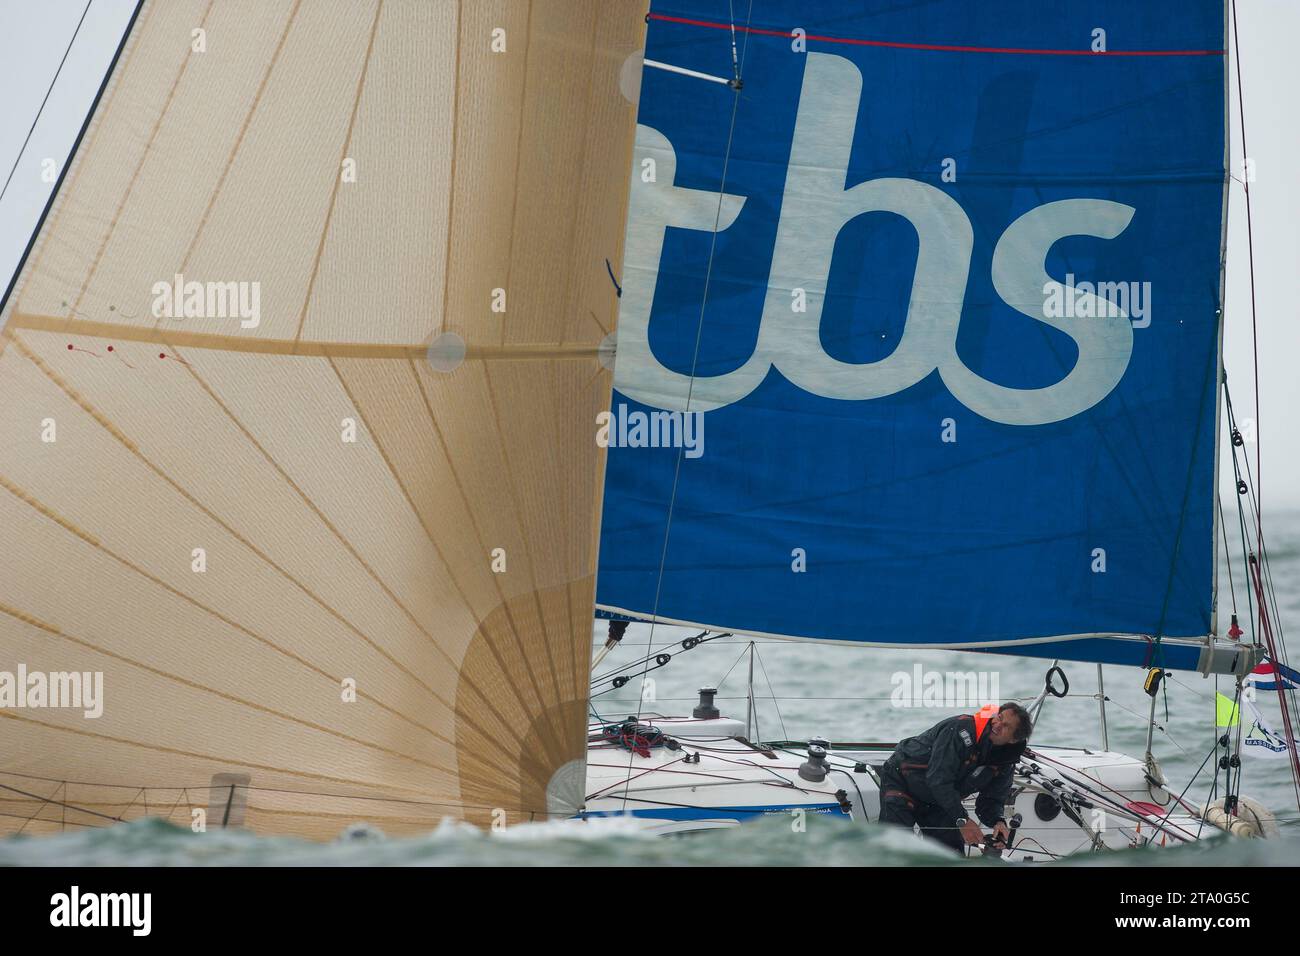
(1270, 76)
(33, 37)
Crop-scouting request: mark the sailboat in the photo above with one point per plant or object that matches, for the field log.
(319, 385)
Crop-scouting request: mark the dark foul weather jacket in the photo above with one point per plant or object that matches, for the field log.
(954, 759)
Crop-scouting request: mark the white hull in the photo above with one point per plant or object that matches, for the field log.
(714, 778)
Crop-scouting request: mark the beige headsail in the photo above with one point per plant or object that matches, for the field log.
(299, 486)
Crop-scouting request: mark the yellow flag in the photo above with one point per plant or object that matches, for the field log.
(1226, 714)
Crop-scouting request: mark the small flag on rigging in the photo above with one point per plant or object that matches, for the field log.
(1269, 674)
(1226, 713)
(1262, 741)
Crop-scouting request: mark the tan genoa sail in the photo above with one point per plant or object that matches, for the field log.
(323, 580)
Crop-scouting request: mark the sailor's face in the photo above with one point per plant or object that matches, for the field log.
(1003, 727)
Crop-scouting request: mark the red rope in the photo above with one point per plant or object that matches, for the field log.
(1267, 627)
(631, 777)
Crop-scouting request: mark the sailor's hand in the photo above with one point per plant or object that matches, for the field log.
(1001, 832)
(972, 833)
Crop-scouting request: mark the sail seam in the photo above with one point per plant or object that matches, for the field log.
(48, 628)
(428, 532)
(338, 177)
(579, 667)
(519, 155)
(131, 446)
(451, 173)
(528, 560)
(478, 534)
(90, 539)
(135, 174)
(410, 615)
(184, 788)
(183, 753)
(239, 141)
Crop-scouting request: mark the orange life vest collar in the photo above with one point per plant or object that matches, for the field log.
(982, 717)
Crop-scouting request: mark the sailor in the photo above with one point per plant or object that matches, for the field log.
(924, 780)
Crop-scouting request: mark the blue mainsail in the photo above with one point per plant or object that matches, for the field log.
(919, 333)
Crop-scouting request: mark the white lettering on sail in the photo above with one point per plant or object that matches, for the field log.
(815, 207)
(1105, 338)
(652, 207)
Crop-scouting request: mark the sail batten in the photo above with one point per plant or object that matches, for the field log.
(519, 351)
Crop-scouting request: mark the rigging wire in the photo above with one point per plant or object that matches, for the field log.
(785, 734)
(1250, 238)
(1254, 512)
(1254, 489)
(733, 667)
(662, 659)
(1256, 560)
(1179, 801)
(1142, 717)
(699, 330)
(820, 697)
(1246, 549)
(1227, 555)
(22, 149)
